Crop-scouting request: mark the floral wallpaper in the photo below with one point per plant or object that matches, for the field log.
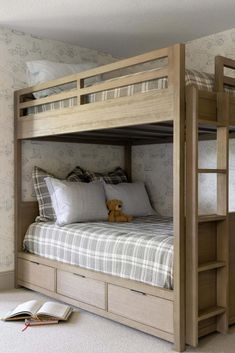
(16, 48)
(60, 158)
(153, 164)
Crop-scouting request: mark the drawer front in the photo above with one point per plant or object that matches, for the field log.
(37, 274)
(140, 307)
(81, 288)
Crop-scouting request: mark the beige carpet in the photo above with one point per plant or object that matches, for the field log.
(88, 333)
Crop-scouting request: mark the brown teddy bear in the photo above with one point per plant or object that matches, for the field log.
(115, 212)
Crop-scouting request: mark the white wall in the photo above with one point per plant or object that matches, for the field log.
(15, 49)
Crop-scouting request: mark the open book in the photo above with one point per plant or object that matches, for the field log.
(41, 311)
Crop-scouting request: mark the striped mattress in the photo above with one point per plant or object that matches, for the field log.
(141, 250)
(203, 81)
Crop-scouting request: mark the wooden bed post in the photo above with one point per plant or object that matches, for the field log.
(17, 183)
(177, 81)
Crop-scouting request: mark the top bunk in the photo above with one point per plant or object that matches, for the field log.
(131, 101)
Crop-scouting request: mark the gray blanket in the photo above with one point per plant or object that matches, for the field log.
(141, 250)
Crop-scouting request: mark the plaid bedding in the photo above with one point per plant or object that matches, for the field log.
(141, 250)
(202, 80)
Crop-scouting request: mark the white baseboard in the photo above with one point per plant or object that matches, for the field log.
(7, 280)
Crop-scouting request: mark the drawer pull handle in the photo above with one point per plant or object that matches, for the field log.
(36, 263)
(77, 274)
(138, 291)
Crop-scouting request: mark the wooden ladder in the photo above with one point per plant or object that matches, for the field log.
(206, 235)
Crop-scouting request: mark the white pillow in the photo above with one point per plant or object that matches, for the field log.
(40, 71)
(134, 197)
(77, 202)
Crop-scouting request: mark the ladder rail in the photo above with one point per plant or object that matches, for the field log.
(213, 227)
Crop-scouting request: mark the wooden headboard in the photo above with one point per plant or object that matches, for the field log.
(27, 212)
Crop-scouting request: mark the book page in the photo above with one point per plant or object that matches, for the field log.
(30, 308)
(55, 310)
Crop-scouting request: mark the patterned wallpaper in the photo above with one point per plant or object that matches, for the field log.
(154, 165)
(61, 158)
(15, 49)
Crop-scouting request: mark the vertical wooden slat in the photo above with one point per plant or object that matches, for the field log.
(17, 183)
(176, 80)
(128, 161)
(222, 208)
(80, 99)
(192, 216)
(219, 74)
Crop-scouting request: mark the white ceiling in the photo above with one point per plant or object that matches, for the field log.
(120, 27)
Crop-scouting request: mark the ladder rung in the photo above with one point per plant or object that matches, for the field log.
(211, 122)
(210, 312)
(212, 265)
(211, 218)
(212, 170)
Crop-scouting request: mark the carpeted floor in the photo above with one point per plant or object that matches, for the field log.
(88, 333)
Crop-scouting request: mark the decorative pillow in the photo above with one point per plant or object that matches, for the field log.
(77, 202)
(40, 71)
(46, 210)
(78, 174)
(116, 176)
(134, 197)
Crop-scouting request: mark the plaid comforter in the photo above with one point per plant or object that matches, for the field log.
(141, 250)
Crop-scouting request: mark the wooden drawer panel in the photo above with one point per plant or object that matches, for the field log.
(81, 288)
(37, 274)
(140, 307)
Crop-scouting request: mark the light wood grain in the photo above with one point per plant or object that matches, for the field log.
(192, 101)
(140, 307)
(150, 107)
(36, 273)
(176, 79)
(99, 276)
(231, 267)
(145, 328)
(81, 288)
(222, 208)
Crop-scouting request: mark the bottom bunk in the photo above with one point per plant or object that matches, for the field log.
(130, 301)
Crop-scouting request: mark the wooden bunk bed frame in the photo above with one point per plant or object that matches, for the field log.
(200, 302)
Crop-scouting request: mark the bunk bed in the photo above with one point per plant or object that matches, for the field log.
(169, 111)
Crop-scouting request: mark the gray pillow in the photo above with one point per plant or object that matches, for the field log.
(77, 202)
(134, 197)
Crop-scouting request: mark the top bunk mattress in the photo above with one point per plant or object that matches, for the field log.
(203, 81)
(141, 250)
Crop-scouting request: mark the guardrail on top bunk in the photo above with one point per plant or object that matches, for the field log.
(222, 80)
(25, 98)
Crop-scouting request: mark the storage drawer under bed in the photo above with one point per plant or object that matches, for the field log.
(81, 288)
(143, 308)
(37, 274)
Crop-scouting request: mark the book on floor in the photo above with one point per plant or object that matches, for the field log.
(35, 309)
(38, 322)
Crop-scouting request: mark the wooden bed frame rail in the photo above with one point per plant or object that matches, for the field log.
(148, 107)
(25, 95)
(221, 79)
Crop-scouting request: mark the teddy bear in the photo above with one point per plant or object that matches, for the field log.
(115, 212)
